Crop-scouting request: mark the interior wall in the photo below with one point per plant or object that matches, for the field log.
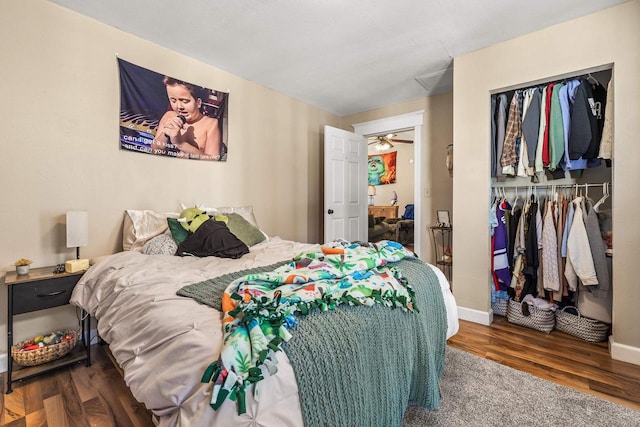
(405, 167)
(60, 148)
(437, 132)
(611, 36)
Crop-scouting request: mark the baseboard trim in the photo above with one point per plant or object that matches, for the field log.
(623, 352)
(475, 316)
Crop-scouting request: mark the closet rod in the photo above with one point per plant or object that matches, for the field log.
(506, 187)
(558, 77)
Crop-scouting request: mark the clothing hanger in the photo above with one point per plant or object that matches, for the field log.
(605, 196)
(529, 198)
(592, 79)
(515, 197)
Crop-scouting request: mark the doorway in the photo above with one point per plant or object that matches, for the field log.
(396, 124)
(391, 172)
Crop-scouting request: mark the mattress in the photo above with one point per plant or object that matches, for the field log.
(163, 341)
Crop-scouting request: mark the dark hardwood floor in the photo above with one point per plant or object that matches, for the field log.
(74, 396)
(97, 395)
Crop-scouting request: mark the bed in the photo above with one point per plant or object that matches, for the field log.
(164, 341)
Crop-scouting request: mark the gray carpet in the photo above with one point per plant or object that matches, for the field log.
(480, 392)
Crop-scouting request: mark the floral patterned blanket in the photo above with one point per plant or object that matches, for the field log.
(260, 309)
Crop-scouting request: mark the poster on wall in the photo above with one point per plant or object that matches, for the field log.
(382, 168)
(165, 116)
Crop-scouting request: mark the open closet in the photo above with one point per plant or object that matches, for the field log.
(550, 200)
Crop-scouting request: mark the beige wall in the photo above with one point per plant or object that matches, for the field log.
(404, 175)
(436, 187)
(59, 151)
(609, 36)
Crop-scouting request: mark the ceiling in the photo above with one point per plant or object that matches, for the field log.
(341, 56)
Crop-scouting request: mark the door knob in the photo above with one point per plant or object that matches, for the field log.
(330, 211)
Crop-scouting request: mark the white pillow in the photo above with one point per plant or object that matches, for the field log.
(142, 225)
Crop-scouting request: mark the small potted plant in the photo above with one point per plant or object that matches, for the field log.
(22, 266)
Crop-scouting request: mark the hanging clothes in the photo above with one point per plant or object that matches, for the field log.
(493, 135)
(500, 246)
(542, 140)
(513, 133)
(530, 128)
(523, 152)
(518, 278)
(542, 125)
(513, 218)
(579, 258)
(563, 205)
(598, 109)
(545, 141)
(551, 275)
(501, 125)
(567, 101)
(606, 142)
(596, 244)
(532, 262)
(556, 129)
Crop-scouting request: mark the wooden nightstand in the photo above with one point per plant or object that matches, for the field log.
(42, 289)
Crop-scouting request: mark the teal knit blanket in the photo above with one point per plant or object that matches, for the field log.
(361, 366)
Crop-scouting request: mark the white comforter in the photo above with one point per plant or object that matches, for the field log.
(163, 342)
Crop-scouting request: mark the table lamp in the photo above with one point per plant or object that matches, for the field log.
(77, 236)
(371, 192)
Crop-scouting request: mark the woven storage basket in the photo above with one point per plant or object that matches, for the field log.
(43, 354)
(580, 326)
(538, 319)
(499, 307)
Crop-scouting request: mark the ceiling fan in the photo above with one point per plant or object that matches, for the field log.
(383, 142)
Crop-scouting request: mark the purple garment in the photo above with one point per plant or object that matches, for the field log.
(500, 245)
(565, 234)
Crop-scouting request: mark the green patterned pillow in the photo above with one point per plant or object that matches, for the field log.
(244, 230)
(177, 230)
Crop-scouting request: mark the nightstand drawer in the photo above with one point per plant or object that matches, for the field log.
(39, 295)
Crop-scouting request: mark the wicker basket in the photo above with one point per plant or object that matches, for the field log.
(43, 354)
(580, 326)
(538, 318)
(499, 306)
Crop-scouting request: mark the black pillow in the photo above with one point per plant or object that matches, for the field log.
(212, 238)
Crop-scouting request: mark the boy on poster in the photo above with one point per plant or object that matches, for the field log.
(165, 116)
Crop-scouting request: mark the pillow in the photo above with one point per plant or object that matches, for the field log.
(212, 238)
(160, 245)
(245, 211)
(244, 230)
(99, 258)
(177, 230)
(142, 225)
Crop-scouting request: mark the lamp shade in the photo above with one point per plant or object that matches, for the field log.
(383, 145)
(77, 229)
(372, 190)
